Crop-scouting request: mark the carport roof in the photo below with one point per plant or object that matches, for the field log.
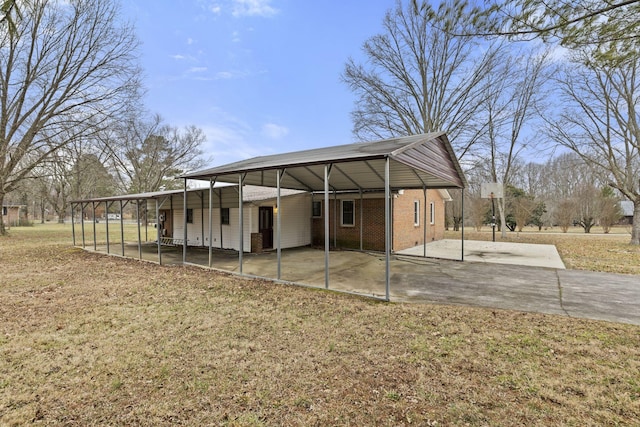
(418, 161)
(250, 194)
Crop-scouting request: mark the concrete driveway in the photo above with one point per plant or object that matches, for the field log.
(492, 252)
(574, 293)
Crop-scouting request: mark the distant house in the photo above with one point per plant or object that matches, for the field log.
(626, 206)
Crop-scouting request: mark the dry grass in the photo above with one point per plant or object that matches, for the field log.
(610, 253)
(87, 339)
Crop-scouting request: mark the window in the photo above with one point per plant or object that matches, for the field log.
(348, 213)
(224, 216)
(189, 216)
(316, 209)
(416, 212)
(4, 211)
(432, 213)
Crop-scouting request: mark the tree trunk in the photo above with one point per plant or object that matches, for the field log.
(3, 231)
(42, 211)
(635, 227)
(503, 220)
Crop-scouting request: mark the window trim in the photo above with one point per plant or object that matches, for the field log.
(225, 219)
(353, 213)
(432, 213)
(416, 213)
(313, 204)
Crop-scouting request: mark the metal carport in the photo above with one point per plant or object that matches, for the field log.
(424, 162)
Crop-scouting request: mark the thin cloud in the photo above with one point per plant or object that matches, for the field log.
(274, 131)
(228, 143)
(253, 8)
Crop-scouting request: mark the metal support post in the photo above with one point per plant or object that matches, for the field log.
(327, 173)
(184, 212)
(462, 232)
(387, 227)
(73, 224)
(278, 223)
(93, 215)
(158, 232)
(211, 183)
(139, 233)
(82, 223)
(241, 219)
(121, 227)
(106, 223)
(424, 222)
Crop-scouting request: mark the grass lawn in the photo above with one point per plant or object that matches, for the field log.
(88, 339)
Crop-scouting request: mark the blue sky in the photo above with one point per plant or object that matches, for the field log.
(258, 76)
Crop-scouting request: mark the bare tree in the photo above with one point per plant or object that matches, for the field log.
(453, 209)
(147, 154)
(65, 69)
(477, 212)
(609, 209)
(523, 208)
(565, 214)
(418, 78)
(587, 206)
(516, 95)
(600, 122)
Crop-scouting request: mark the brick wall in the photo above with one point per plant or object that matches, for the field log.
(349, 236)
(405, 233)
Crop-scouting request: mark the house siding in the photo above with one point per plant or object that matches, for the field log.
(296, 211)
(295, 215)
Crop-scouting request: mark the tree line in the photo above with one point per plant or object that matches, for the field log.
(563, 192)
